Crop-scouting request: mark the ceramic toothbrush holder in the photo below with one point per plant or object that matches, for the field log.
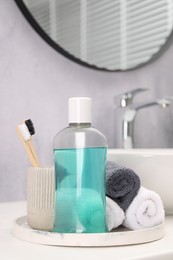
(40, 198)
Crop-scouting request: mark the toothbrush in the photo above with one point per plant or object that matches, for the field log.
(20, 132)
(31, 130)
(25, 137)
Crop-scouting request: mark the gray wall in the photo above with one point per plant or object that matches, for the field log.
(36, 82)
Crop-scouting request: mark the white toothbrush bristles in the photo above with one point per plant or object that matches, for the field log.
(25, 132)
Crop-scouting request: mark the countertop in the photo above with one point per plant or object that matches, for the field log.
(12, 248)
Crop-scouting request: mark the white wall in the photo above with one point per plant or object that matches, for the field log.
(36, 82)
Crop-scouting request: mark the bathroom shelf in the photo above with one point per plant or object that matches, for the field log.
(118, 237)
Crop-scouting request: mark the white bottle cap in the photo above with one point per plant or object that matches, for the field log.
(79, 110)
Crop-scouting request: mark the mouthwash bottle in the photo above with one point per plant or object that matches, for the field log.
(80, 163)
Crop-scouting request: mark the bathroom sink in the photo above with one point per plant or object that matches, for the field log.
(154, 167)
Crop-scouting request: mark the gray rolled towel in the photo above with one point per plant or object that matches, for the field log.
(122, 184)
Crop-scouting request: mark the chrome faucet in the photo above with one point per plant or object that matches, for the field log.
(129, 117)
(126, 99)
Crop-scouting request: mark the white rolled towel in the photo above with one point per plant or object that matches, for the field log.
(145, 211)
(114, 214)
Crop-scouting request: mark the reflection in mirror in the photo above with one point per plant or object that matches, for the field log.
(112, 34)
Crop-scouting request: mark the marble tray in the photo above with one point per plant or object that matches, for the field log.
(118, 237)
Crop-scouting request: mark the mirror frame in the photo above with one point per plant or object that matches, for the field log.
(68, 55)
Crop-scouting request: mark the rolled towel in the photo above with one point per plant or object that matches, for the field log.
(145, 211)
(114, 214)
(122, 184)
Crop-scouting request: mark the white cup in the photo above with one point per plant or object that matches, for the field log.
(40, 198)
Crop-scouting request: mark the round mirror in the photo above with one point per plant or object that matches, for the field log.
(109, 35)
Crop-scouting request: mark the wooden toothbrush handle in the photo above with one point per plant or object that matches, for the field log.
(32, 148)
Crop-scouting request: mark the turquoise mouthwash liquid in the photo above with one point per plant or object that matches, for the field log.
(80, 190)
